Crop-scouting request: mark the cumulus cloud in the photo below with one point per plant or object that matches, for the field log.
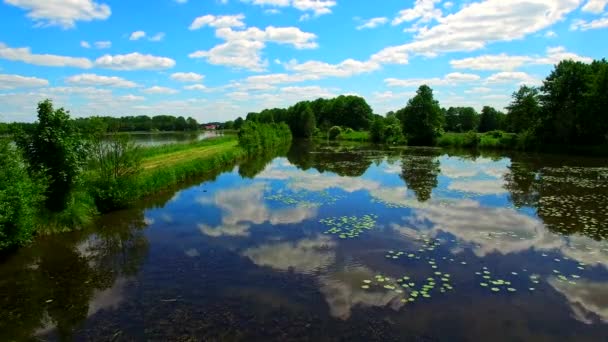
(221, 21)
(137, 35)
(372, 23)
(595, 6)
(17, 81)
(584, 25)
(506, 62)
(134, 61)
(478, 24)
(242, 49)
(423, 11)
(99, 80)
(517, 77)
(159, 90)
(25, 55)
(64, 13)
(317, 7)
(448, 80)
(187, 77)
(345, 68)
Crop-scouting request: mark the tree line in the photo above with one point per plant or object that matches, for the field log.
(141, 123)
(569, 108)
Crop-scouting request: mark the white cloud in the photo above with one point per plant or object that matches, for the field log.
(134, 61)
(550, 34)
(317, 7)
(483, 187)
(159, 90)
(279, 78)
(187, 77)
(508, 62)
(137, 35)
(157, 37)
(372, 23)
(98, 80)
(17, 81)
(512, 77)
(196, 87)
(242, 49)
(62, 13)
(423, 10)
(477, 90)
(584, 25)
(85, 44)
(221, 21)
(448, 80)
(480, 23)
(595, 6)
(239, 54)
(26, 56)
(103, 44)
(345, 68)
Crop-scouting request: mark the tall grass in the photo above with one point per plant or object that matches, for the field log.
(152, 151)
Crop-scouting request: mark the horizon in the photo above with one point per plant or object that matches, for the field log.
(218, 60)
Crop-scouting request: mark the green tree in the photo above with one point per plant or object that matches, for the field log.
(489, 120)
(421, 118)
(377, 130)
(238, 123)
(468, 119)
(55, 149)
(524, 110)
(334, 132)
(564, 103)
(308, 122)
(20, 199)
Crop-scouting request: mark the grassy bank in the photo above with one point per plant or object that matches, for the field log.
(165, 166)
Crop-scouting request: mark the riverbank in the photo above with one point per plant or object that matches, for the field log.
(115, 175)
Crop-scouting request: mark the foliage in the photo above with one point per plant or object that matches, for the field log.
(461, 119)
(142, 123)
(56, 149)
(386, 130)
(258, 136)
(116, 164)
(347, 111)
(351, 135)
(334, 132)
(21, 197)
(469, 139)
(489, 120)
(574, 98)
(422, 118)
(524, 110)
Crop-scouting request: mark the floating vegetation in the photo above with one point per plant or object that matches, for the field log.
(495, 284)
(348, 227)
(305, 198)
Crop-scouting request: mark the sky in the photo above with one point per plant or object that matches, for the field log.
(216, 60)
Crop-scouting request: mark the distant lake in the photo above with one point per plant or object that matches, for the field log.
(163, 138)
(334, 242)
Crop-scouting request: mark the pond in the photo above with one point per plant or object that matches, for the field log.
(334, 242)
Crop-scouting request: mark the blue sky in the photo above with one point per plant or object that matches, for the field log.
(219, 59)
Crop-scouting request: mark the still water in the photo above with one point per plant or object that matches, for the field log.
(334, 242)
(163, 138)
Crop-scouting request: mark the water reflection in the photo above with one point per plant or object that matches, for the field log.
(242, 207)
(247, 254)
(419, 171)
(68, 280)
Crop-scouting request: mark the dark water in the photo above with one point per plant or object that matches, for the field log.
(334, 243)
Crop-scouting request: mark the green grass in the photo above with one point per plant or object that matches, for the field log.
(489, 140)
(169, 148)
(354, 136)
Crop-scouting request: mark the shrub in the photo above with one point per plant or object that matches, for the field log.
(255, 136)
(334, 132)
(20, 199)
(117, 165)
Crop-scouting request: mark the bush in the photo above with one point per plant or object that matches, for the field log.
(116, 167)
(495, 134)
(255, 136)
(20, 199)
(334, 132)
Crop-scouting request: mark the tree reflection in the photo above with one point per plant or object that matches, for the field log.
(341, 159)
(419, 170)
(568, 199)
(51, 284)
(253, 166)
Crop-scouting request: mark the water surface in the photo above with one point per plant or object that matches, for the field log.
(334, 242)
